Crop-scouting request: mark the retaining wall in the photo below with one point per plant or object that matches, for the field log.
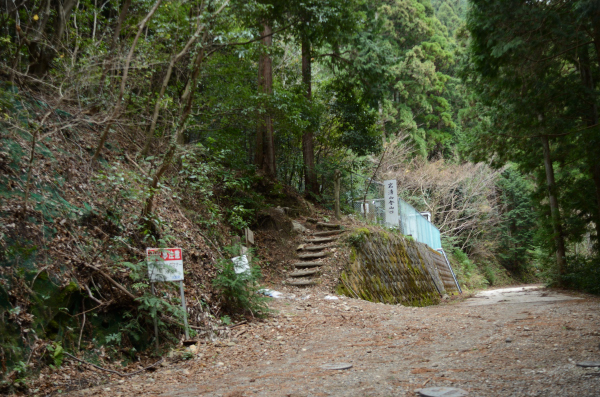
(390, 268)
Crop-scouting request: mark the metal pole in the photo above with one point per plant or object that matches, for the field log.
(352, 188)
(155, 321)
(187, 334)
(450, 267)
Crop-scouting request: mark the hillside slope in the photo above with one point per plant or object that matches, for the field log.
(73, 238)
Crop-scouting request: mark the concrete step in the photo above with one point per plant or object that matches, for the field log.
(308, 264)
(317, 247)
(301, 283)
(315, 255)
(303, 273)
(328, 225)
(328, 233)
(320, 240)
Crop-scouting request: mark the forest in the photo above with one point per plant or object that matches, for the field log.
(119, 116)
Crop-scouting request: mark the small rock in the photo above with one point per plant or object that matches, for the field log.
(337, 367)
(441, 391)
(589, 364)
(298, 227)
(220, 364)
(508, 340)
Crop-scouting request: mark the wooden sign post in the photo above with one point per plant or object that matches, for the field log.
(166, 264)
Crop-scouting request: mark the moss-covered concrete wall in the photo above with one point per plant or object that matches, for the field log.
(390, 268)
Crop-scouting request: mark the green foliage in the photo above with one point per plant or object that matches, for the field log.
(358, 236)
(239, 291)
(226, 320)
(55, 354)
(467, 272)
(583, 273)
(226, 194)
(532, 68)
(351, 123)
(518, 224)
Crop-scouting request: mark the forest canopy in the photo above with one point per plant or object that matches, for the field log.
(295, 90)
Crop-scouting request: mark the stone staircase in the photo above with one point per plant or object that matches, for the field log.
(312, 252)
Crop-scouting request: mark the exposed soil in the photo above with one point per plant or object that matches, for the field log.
(511, 342)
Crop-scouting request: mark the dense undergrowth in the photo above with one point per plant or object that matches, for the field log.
(73, 275)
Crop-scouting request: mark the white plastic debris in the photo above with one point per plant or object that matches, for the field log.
(271, 293)
(331, 298)
(241, 264)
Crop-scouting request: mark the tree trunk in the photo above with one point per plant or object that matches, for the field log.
(120, 21)
(554, 210)
(593, 149)
(308, 148)
(111, 51)
(117, 108)
(41, 54)
(163, 88)
(63, 15)
(187, 98)
(265, 146)
(337, 179)
(191, 87)
(596, 177)
(259, 156)
(268, 87)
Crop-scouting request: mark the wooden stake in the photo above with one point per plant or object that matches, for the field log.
(155, 321)
(337, 177)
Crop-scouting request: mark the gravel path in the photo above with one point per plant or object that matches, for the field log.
(510, 342)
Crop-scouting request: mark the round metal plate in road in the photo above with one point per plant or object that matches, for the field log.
(441, 392)
(339, 366)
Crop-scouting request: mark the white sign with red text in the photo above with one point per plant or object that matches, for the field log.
(165, 264)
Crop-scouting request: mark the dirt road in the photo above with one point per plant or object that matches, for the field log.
(510, 342)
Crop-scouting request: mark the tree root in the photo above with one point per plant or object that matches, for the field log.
(110, 370)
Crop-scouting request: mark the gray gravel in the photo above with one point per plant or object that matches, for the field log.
(396, 350)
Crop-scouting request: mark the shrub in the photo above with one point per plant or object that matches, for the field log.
(467, 272)
(239, 291)
(583, 274)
